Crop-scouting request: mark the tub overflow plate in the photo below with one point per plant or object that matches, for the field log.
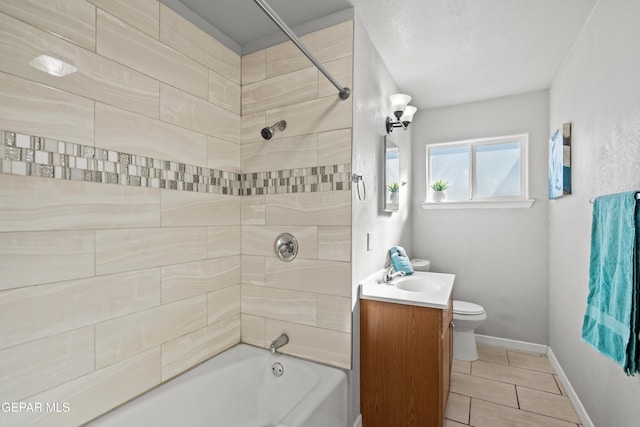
(277, 369)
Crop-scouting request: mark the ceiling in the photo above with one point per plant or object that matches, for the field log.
(441, 52)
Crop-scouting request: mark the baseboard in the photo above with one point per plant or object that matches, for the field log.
(358, 421)
(512, 344)
(571, 393)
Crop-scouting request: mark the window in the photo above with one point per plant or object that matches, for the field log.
(480, 170)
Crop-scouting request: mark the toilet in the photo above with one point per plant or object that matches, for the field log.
(467, 317)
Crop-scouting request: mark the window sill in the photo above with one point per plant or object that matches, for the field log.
(511, 204)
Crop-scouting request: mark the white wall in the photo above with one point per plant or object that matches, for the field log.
(598, 89)
(373, 85)
(499, 256)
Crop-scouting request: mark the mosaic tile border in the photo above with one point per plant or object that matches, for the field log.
(29, 155)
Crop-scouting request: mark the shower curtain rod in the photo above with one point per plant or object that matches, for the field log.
(344, 91)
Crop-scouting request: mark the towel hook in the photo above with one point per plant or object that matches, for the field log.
(358, 179)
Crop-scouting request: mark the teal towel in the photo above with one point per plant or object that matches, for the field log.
(611, 319)
(399, 260)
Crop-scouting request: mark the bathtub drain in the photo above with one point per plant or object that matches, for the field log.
(277, 369)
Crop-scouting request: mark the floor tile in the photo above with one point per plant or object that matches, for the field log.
(490, 353)
(537, 362)
(512, 375)
(458, 408)
(461, 366)
(481, 388)
(562, 391)
(487, 414)
(449, 423)
(544, 403)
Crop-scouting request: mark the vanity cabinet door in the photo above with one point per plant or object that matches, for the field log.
(401, 358)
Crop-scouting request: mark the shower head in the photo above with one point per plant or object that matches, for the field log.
(267, 133)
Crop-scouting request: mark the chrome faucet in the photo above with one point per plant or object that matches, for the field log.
(279, 342)
(389, 275)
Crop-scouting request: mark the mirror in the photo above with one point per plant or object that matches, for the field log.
(391, 176)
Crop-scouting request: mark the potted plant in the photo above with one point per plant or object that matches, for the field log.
(438, 188)
(394, 194)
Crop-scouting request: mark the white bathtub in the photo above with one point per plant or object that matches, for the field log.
(238, 389)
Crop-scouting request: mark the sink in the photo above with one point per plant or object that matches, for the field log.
(422, 288)
(417, 284)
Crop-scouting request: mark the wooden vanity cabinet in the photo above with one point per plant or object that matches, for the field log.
(405, 357)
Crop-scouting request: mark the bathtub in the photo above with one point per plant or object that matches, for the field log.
(237, 388)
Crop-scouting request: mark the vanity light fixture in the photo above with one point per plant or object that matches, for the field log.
(403, 113)
(54, 66)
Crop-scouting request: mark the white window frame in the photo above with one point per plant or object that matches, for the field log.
(475, 201)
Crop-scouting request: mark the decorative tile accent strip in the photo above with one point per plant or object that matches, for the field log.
(36, 156)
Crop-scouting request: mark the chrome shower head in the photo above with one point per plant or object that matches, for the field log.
(267, 133)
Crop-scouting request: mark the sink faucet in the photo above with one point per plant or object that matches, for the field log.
(389, 275)
(279, 342)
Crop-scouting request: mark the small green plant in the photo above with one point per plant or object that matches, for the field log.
(393, 187)
(440, 185)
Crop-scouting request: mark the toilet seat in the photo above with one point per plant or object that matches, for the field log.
(466, 308)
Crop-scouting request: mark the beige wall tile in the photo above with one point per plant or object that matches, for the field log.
(323, 277)
(125, 44)
(281, 90)
(223, 155)
(252, 330)
(319, 115)
(35, 312)
(188, 208)
(223, 303)
(334, 243)
(73, 20)
(183, 36)
(142, 14)
(123, 131)
(138, 248)
(35, 109)
(253, 270)
(33, 258)
(188, 351)
(286, 153)
(39, 365)
(126, 336)
(253, 210)
(31, 203)
(322, 345)
(223, 241)
(341, 70)
(334, 313)
(334, 147)
(251, 125)
(324, 208)
(326, 45)
(186, 280)
(95, 393)
(292, 306)
(188, 111)
(259, 240)
(254, 67)
(224, 93)
(97, 77)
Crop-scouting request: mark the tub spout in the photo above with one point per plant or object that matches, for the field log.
(279, 342)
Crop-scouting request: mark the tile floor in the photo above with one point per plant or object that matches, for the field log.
(507, 388)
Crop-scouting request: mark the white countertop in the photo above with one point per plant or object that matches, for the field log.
(437, 291)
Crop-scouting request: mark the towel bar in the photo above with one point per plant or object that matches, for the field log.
(637, 198)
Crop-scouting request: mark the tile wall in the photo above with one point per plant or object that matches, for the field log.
(138, 203)
(310, 297)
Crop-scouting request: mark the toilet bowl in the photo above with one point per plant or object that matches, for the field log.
(466, 318)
